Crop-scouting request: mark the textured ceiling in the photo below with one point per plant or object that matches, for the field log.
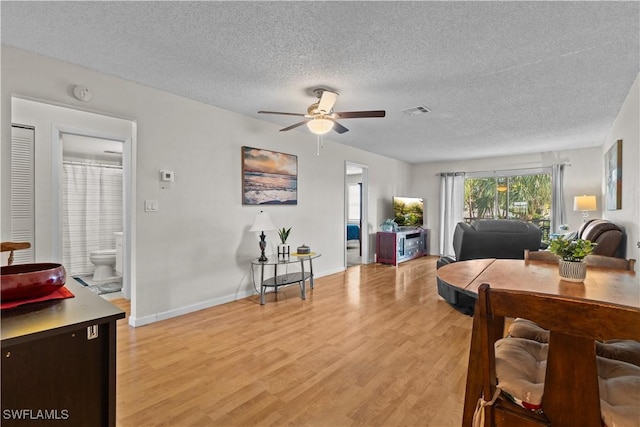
(499, 78)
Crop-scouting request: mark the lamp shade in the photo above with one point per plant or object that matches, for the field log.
(262, 222)
(584, 203)
(320, 125)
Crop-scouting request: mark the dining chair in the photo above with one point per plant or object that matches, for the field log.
(13, 246)
(515, 369)
(540, 256)
(610, 262)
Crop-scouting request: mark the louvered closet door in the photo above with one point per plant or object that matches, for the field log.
(22, 191)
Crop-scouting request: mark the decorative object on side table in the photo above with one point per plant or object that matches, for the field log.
(572, 253)
(303, 250)
(262, 223)
(283, 248)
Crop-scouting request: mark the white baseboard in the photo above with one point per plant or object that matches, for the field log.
(180, 311)
(164, 315)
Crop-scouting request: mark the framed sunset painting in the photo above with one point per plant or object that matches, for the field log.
(269, 177)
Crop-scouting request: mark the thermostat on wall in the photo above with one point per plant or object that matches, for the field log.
(166, 176)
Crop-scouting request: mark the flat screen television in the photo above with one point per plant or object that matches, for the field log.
(408, 211)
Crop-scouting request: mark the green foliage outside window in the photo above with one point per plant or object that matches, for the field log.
(523, 197)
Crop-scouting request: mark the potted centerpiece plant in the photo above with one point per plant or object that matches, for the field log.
(283, 248)
(572, 253)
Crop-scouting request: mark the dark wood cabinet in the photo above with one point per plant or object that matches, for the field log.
(396, 247)
(59, 362)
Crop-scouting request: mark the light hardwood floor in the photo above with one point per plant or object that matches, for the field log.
(373, 346)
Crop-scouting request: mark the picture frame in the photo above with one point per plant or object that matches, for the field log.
(269, 177)
(613, 176)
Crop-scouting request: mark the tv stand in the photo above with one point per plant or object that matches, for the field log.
(403, 245)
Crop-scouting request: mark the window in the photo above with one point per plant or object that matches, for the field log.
(509, 195)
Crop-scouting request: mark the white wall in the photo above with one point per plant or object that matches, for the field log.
(195, 251)
(583, 176)
(626, 128)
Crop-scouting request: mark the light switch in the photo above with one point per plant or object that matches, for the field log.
(151, 206)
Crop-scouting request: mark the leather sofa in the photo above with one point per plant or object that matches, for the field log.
(486, 238)
(608, 236)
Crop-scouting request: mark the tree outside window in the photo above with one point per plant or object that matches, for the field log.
(523, 197)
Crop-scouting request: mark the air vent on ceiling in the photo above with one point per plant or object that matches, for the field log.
(416, 111)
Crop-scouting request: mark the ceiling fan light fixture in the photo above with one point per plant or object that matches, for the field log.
(320, 125)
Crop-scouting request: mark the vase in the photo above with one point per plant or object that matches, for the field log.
(573, 271)
(283, 251)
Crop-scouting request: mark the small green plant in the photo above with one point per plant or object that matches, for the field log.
(571, 250)
(284, 234)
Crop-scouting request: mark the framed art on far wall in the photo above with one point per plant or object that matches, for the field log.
(613, 176)
(269, 177)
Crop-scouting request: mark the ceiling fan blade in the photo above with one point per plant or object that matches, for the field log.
(327, 101)
(280, 112)
(294, 126)
(360, 114)
(338, 127)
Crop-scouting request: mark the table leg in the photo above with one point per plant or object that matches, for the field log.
(275, 278)
(262, 287)
(303, 286)
(311, 273)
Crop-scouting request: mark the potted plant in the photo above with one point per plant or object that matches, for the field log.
(283, 248)
(572, 254)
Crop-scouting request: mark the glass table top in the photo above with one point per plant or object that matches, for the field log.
(274, 259)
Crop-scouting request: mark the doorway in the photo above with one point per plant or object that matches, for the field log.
(92, 189)
(356, 224)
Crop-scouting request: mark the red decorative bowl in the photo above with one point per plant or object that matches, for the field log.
(27, 281)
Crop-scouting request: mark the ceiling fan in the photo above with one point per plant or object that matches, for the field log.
(321, 118)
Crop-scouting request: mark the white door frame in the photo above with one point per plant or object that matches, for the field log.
(364, 232)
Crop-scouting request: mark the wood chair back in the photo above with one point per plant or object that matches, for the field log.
(611, 262)
(13, 246)
(574, 325)
(592, 260)
(540, 256)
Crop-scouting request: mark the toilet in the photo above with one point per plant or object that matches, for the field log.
(104, 260)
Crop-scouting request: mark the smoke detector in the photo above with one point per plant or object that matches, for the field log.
(82, 93)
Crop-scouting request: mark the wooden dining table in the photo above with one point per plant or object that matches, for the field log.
(604, 285)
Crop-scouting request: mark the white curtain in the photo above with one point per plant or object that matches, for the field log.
(451, 209)
(92, 198)
(558, 211)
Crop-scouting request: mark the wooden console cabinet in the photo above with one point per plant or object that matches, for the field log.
(59, 362)
(396, 247)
